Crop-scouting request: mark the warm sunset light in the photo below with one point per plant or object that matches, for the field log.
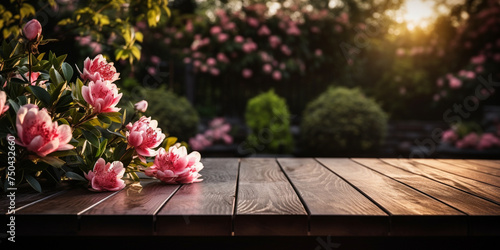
(417, 13)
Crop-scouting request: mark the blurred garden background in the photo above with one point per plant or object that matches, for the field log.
(401, 78)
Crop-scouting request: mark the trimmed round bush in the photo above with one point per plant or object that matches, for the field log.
(175, 115)
(342, 121)
(268, 117)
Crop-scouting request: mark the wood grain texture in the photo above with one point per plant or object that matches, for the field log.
(465, 184)
(129, 212)
(58, 214)
(266, 202)
(488, 163)
(472, 205)
(336, 208)
(472, 166)
(478, 176)
(412, 213)
(204, 208)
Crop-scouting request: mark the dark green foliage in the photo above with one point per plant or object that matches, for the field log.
(342, 121)
(175, 115)
(268, 117)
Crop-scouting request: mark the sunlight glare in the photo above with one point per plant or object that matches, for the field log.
(418, 13)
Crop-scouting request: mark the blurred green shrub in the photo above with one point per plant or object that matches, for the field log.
(268, 117)
(342, 121)
(175, 115)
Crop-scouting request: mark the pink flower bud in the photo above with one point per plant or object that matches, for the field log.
(141, 106)
(32, 29)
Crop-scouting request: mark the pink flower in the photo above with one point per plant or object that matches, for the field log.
(176, 166)
(189, 26)
(215, 30)
(239, 39)
(102, 96)
(187, 60)
(455, 83)
(3, 100)
(249, 46)
(106, 176)
(488, 140)
(141, 106)
(265, 57)
(199, 142)
(155, 59)
(214, 71)
(144, 135)
(222, 37)
(277, 75)
(470, 140)
(449, 136)
(286, 50)
(267, 68)
(318, 52)
(99, 69)
(253, 22)
(32, 30)
(246, 73)
(34, 77)
(479, 59)
(229, 26)
(440, 82)
(38, 133)
(221, 57)
(264, 31)
(314, 29)
(293, 30)
(274, 41)
(479, 69)
(211, 61)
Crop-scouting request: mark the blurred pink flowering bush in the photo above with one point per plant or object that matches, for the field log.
(469, 135)
(55, 125)
(218, 131)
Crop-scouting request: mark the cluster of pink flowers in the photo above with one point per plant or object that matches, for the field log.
(471, 140)
(236, 36)
(218, 130)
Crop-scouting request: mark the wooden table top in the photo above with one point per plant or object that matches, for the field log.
(283, 196)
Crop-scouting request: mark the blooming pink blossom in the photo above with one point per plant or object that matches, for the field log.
(3, 100)
(176, 166)
(99, 69)
(144, 135)
(455, 83)
(155, 59)
(221, 57)
(215, 30)
(32, 30)
(253, 22)
(38, 133)
(222, 37)
(286, 50)
(229, 26)
(102, 96)
(470, 74)
(211, 61)
(318, 52)
(488, 140)
(214, 71)
(470, 140)
(264, 31)
(187, 60)
(189, 26)
(265, 57)
(239, 39)
(267, 68)
(449, 136)
(141, 106)
(106, 176)
(204, 68)
(249, 46)
(274, 41)
(293, 30)
(479, 69)
(246, 73)
(479, 59)
(199, 142)
(277, 75)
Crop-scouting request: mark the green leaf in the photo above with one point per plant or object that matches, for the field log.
(33, 183)
(41, 94)
(14, 105)
(169, 142)
(75, 176)
(102, 148)
(135, 177)
(55, 77)
(67, 71)
(94, 141)
(53, 161)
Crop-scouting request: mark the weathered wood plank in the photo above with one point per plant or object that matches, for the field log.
(488, 163)
(486, 178)
(129, 212)
(57, 215)
(468, 185)
(412, 213)
(472, 166)
(335, 207)
(472, 205)
(266, 203)
(205, 208)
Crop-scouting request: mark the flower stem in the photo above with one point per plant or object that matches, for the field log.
(29, 67)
